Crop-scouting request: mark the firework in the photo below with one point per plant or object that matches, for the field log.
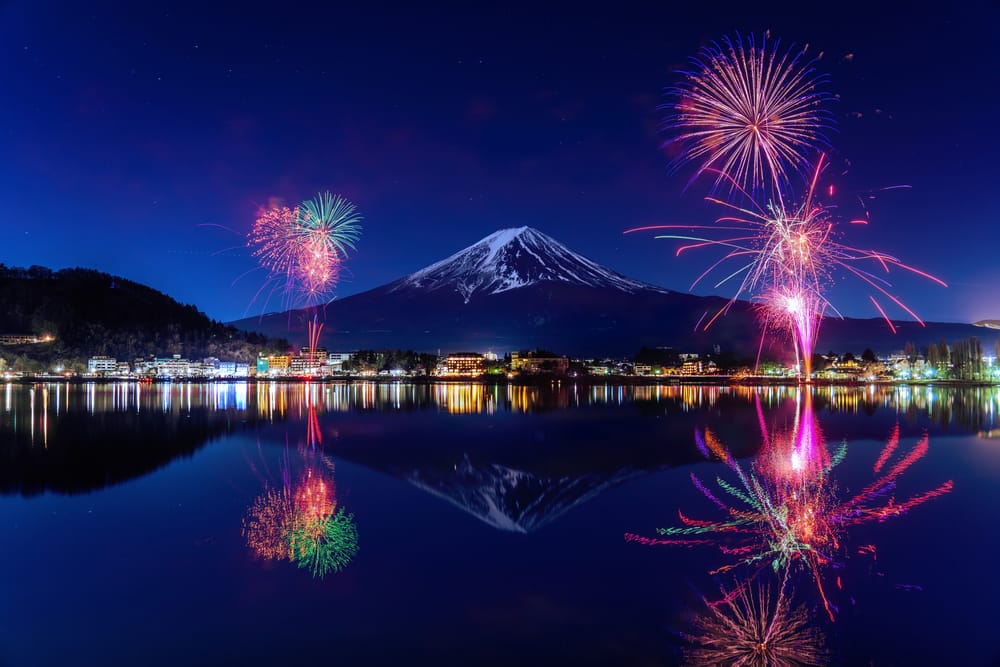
(324, 545)
(329, 225)
(786, 510)
(750, 111)
(752, 627)
(301, 523)
(303, 248)
(270, 238)
(785, 259)
(752, 115)
(268, 523)
(314, 497)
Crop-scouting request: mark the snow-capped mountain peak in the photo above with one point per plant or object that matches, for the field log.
(512, 258)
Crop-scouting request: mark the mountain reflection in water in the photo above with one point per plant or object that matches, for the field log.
(486, 524)
(72, 438)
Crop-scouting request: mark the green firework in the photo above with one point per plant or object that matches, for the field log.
(324, 545)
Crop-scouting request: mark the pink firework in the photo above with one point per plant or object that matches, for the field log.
(786, 257)
(303, 248)
(271, 238)
(786, 510)
(749, 111)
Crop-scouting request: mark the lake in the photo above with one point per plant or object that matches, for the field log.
(461, 524)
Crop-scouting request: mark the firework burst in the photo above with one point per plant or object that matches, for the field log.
(303, 248)
(324, 545)
(754, 628)
(268, 523)
(787, 511)
(750, 111)
(302, 523)
(785, 258)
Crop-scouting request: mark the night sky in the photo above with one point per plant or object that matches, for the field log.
(140, 138)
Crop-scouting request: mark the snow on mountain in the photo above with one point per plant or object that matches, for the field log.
(513, 258)
(514, 500)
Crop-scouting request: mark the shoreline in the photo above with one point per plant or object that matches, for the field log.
(538, 380)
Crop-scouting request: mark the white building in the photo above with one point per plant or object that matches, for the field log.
(101, 365)
(173, 367)
(338, 359)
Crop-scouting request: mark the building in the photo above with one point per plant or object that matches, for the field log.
(338, 359)
(102, 366)
(531, 363)
(24, 339)
(463, 364)
(278, 364)
(173, 367)
(691, 367)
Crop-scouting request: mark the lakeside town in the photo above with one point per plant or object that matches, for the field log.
(961, 361)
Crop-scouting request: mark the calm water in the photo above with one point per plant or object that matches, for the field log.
(461, 524)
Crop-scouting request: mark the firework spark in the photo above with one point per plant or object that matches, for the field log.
(754, 628)
(748, 110)
(324, 545)
(786, 258)
(787, 511)
(267, 524)
(301, 523)
(303, 248)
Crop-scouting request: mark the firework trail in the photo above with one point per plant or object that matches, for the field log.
(748, 110)
(752, 115)
(303, 250)
(785, 258)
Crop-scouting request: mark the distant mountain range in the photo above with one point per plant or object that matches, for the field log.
(522, 289)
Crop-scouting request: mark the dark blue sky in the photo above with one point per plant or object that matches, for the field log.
(130, 129)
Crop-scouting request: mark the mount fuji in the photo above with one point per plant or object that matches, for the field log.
(511, 259)
(522, 289)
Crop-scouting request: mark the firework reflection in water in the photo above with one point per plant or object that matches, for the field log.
(301, 521)
(787, 511)
(752, 627)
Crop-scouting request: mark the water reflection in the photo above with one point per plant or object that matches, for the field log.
(32, 409)
(785, 515)
(785, 510)
(75, 437)
(300, 520)
(754, 627)
(71, 438)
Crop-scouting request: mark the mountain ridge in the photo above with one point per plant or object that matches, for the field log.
(512, 258)
(519, 288)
